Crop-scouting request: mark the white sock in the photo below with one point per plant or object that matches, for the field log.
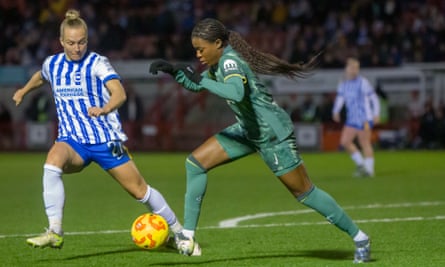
(176, 227)
(156, 202)
(55, 225)
(53, 197)
(357, 158)
(360, 236)
(188, 233)
(369, 165)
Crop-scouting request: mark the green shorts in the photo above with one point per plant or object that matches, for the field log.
(280, 156)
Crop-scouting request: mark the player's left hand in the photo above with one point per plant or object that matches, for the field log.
(190, 72)
(96, 111)
(161, 65)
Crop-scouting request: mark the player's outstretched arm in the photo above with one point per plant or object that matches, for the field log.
(34, 82)
(186, 79)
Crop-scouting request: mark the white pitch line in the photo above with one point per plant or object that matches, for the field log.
(381, 220)
(262, 215)
(233, 222)
(104, 232)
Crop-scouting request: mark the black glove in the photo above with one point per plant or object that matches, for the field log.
(189, 72)
(161, 65)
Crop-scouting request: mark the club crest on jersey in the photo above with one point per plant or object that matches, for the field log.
(77, 78)
(230, 65)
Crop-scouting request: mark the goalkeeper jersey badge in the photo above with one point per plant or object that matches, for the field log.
(230, 65)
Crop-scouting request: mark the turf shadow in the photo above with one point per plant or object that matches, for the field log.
(111, 252)
(232, 261)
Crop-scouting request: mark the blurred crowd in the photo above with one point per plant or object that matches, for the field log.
(380, 32)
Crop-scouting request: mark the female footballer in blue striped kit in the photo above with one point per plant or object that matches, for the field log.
(262, 126)
(362, 112)
(87, 93)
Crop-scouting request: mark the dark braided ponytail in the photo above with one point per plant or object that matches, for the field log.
(260, 62)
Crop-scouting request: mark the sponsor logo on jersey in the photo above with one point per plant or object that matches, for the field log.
(230, 65)
(68, 91)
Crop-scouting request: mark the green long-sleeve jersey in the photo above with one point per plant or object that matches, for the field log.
(255, 110)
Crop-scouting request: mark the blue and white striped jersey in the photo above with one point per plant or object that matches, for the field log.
(77, 86)
(362, 103)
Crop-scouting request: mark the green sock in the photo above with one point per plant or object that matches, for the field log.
(324, 204)
(195, 191)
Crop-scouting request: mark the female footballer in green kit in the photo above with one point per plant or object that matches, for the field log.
(262, 126)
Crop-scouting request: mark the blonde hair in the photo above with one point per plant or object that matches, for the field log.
(73, 20)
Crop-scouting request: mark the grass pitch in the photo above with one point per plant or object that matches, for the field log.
(248, 217)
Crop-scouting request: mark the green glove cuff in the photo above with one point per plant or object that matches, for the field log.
(182, 79)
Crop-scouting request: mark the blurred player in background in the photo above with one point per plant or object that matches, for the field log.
(87, 93)
(362, 113)
(262, 126)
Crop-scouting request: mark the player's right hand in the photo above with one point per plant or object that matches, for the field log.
(161, 65)
(336, 117)
(18, 97)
